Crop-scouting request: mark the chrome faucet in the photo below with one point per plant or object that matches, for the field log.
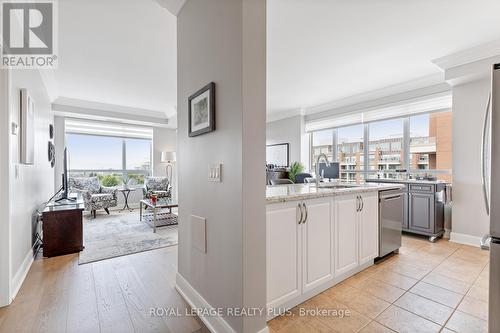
(318, 176)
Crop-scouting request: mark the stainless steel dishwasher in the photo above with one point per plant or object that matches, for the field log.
(391, 216)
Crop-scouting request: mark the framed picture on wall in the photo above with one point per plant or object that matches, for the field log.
(278, 154)
(201, 111)
(27, 118)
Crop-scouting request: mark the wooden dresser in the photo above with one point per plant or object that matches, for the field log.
(62, 228)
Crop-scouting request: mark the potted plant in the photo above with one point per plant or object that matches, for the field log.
(295, 169)
(125, 181)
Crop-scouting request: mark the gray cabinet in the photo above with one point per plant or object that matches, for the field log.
(405, 211)
(421, 212)
(424, 206)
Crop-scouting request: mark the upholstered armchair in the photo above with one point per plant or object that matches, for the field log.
(95, 196)
(157, 185)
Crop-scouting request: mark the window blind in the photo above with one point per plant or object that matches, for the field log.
(438, 102)
(79, 126)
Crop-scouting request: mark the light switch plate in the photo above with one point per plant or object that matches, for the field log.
(198, 233)
(14, 128)
(214, 173)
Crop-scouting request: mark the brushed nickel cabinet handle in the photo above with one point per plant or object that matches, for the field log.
(307, 213)
(301, 212)
(483, 156)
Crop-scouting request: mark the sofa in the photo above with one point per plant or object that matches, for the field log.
(157, 185)
(95, 196)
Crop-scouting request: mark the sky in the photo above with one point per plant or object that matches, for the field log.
(419, 126)
(87, 152)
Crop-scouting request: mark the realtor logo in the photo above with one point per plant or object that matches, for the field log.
(28, 34)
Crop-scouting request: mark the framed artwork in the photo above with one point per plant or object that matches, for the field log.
(27, 118)
(52, 154)
(201, 111)
(278, 154)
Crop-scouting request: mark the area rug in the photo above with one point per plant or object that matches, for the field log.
(120, 234)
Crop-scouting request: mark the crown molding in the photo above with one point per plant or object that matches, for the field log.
(379, 99)
(424, 86)
(81, 103)
(95, 111)
(280, 115)
(464, 57)
(367, 97)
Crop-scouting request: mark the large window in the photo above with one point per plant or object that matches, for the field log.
(112, 159)
(419, 143)
(350, 147)
(430, 143)
(386, 151)
(322, 142)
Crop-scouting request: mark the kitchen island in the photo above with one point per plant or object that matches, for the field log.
(318, 237)
(424, 205)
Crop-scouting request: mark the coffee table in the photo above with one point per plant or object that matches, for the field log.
(160, 217)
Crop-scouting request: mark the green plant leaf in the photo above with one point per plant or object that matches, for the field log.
(295, 169)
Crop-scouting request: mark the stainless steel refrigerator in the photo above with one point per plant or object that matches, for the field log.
(491, 187)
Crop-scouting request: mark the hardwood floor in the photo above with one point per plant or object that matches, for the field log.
(113, 295)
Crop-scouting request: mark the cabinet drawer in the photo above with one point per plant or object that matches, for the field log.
(422, 188)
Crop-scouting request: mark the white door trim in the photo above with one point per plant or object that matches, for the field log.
(5, 165)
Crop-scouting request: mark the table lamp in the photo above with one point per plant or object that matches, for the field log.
(169, 158)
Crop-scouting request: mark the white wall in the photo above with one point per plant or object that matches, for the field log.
(232, 54)
(59, 143)
(470, 220)
(288, 130)
(31, 185)
(4, 187)
(471, 86)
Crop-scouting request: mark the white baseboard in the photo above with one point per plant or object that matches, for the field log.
(465, 239)
(215, 324)
(18, 279)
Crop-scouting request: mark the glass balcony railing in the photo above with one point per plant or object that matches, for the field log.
(114, 178)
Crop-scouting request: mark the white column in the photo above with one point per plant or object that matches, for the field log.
(223, 41)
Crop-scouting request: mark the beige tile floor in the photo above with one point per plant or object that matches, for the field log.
(440, 287)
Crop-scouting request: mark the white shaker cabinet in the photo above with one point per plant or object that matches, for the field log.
(357, 230)
(346, 233)
(368, 227)
(317, 244)
(299, 248)
(314, 244)
(283, 253)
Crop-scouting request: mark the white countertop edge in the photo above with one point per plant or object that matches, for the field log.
(331, 192)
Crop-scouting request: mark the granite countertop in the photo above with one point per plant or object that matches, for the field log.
(283, 193)
(406, 181)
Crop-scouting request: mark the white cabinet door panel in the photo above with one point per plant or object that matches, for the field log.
(368, 228)
(283, 254)
(346, 224)
(317, 244)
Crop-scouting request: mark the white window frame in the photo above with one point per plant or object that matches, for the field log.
(366, 139)
(124, 171)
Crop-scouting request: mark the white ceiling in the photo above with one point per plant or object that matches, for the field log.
(322, 51)
(123, 52)
(119, 52)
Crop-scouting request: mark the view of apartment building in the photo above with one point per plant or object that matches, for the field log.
(429, 139)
